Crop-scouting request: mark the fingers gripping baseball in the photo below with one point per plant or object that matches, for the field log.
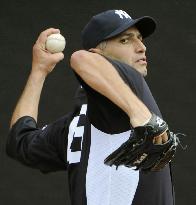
(43, 60)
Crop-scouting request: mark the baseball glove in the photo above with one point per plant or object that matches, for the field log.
(140, 152)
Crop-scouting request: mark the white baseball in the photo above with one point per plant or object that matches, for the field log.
(55, 43)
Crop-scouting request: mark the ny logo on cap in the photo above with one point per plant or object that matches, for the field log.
(122, 14)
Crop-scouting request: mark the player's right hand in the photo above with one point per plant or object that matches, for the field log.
(43, 61)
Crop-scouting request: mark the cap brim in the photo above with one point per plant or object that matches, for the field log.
(146, 25)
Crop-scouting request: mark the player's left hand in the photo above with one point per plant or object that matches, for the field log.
(149, 148)
(161, 139)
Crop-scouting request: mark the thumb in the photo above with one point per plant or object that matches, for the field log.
(94, 50)
(58, 57)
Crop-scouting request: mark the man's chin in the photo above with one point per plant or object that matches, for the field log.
(145, 73)
(141, 70)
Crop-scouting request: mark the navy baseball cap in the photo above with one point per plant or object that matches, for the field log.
(111, 23)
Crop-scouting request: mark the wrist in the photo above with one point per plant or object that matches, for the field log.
(38, 76)
(140, 118)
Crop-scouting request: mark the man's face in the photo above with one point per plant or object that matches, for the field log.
(128, 48)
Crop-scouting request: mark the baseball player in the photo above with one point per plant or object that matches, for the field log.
(112, 102)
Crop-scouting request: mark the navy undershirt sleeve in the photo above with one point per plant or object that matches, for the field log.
(43, 149)
(103, 113)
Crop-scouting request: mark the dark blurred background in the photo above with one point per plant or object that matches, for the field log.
(171, 77)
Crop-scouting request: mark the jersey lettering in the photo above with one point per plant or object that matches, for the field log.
(75, 137)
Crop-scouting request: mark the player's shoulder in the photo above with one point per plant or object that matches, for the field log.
(125, 68)
(131, 76)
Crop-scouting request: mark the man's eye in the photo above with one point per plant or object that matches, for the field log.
(124, 41)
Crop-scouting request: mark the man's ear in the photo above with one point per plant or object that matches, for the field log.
(96, 50)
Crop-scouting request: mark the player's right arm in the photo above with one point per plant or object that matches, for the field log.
(43, 149)
(42, 64)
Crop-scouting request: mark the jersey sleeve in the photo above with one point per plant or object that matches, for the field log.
(103, 113)
(41, 148)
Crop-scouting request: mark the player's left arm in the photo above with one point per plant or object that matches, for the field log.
(100, 75)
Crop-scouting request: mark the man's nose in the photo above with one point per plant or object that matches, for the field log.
(140, 47)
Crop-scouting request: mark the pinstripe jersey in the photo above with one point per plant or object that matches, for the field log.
(81, 140)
